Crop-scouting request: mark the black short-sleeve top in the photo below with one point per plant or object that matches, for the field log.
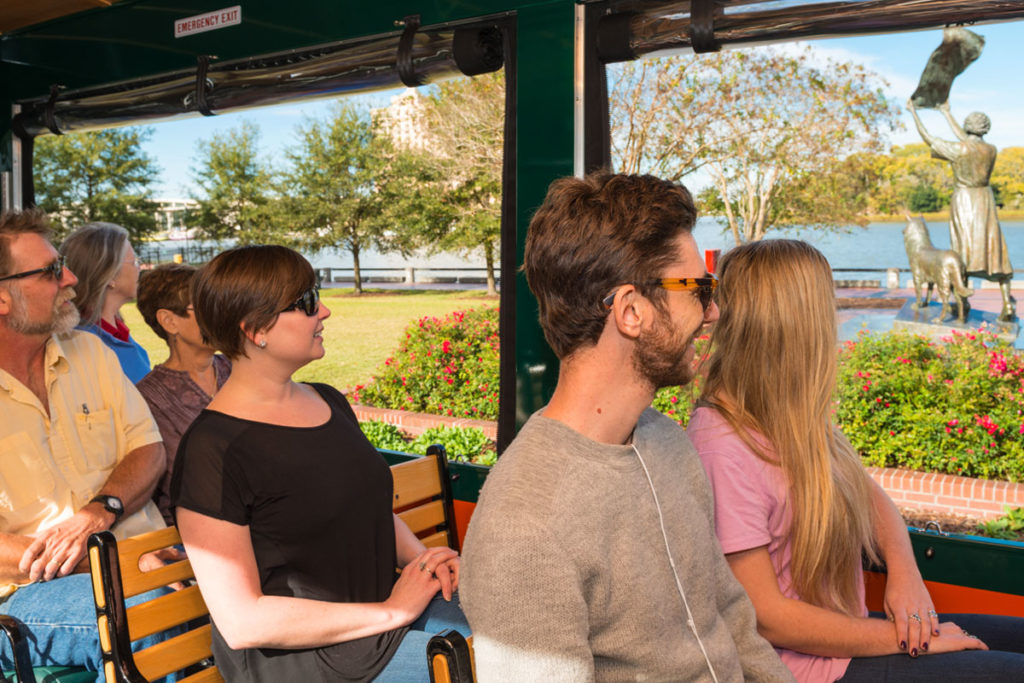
(317, 501)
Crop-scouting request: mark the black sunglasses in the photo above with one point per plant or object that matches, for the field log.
(56, 269)
(308, 302)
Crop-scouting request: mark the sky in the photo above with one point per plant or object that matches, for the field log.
(987, 85)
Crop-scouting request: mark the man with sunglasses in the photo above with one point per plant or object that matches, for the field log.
(592, 552)
(79, 451)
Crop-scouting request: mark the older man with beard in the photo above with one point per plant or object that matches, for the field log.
(592, 553)
(79, 451)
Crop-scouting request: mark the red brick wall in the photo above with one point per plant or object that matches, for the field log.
(979, 498)
(416, 423)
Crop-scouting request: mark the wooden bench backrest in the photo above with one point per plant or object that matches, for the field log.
(116, 576)
(422, 498)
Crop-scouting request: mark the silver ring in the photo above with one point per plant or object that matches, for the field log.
(916, 617)
(932, 614)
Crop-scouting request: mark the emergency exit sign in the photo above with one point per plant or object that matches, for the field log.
(211, 21)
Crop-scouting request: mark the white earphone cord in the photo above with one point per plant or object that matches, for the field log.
(672, 564)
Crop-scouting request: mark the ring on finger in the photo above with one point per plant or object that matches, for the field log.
(916, 617)
(933, 614)
(423, 566)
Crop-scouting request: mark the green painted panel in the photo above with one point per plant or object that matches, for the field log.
(135, 39)
(970, 561)
(544, 153)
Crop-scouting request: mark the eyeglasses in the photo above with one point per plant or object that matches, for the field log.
(56, 269)
(308, 302)
(704, 286)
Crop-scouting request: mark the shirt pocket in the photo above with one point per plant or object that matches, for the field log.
(98, 438)
(25, 477)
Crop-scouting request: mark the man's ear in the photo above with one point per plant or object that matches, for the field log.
(630, 310)
(5, 300)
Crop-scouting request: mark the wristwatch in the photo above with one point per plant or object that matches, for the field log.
(111, 504)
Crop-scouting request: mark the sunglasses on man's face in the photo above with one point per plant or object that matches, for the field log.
(703, 286)
(56, 269)
(308, 302)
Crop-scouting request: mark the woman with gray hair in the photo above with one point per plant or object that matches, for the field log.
(108, 277)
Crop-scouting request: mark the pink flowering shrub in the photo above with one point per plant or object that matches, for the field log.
(955, 407)
(444, 366)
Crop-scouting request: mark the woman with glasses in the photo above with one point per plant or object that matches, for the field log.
(795, 510)
(283, 505)
(178, 389)
(108, 277)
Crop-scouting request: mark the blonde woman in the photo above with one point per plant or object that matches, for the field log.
(794, 509)
(108, 277)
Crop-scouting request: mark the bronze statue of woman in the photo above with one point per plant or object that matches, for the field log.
(974, 230)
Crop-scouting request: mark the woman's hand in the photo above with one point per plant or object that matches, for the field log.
(909, 606)
(418, 584)
(952, 638)
(447, 572)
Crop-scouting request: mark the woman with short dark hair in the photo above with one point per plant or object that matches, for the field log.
(179, 388)
(285, 508)
(102, 258)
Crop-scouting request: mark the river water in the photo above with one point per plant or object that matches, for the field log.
(879, 245)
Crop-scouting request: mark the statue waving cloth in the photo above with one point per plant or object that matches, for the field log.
(974, 230)
(959, 48)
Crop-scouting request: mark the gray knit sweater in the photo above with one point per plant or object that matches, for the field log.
(565, 575)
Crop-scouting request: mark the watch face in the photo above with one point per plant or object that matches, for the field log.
(115, 504)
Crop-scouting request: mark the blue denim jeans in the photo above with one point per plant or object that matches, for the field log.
(1003, 661)
(409, 663)
(61, 619)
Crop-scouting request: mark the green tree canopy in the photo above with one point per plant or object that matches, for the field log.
(341, 185)
(462, 166)
(235, 198)
(97, 176)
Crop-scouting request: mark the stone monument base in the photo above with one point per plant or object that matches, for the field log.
(920, 322)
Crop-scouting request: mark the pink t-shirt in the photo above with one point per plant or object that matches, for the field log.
(751, 511)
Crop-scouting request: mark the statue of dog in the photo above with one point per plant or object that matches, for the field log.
(931, 266)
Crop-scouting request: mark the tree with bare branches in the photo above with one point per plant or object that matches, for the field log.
(763, 125)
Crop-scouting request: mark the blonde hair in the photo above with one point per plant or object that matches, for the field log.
(95, 253)
(773, 371)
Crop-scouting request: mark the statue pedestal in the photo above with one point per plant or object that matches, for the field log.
(920, 322)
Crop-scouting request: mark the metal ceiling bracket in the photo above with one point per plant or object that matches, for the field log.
(203, 85)
(48, 112)
(406, 69)
(702, 26)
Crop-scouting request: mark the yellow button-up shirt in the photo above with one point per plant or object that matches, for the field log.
(51, 465)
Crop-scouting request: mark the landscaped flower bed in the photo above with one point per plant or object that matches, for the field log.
(955, 407)
(445, 366)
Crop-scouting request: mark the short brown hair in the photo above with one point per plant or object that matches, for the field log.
(593, 234)
(247, 287)
(167, 286)
(14, 223)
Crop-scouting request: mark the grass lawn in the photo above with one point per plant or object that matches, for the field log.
(361, 332)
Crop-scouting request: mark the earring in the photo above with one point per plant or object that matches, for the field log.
(262, 344)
